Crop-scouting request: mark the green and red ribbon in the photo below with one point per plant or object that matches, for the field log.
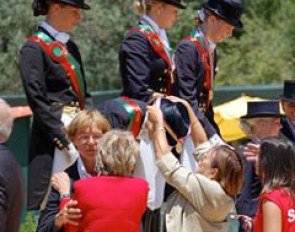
(205, 59)
(134, 112)
(160, 49)
(58, 52)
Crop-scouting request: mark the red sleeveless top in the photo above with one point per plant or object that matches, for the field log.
(285, 202)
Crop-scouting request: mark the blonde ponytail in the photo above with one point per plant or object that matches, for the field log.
(139, 7)
(142, 7)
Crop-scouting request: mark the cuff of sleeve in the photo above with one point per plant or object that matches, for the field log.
(61, 141)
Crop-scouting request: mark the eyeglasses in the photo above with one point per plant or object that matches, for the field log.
(86, 137)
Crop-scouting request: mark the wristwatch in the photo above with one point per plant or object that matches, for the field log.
(63, 196)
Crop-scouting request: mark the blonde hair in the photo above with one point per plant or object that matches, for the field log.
(142, 7)
(86, 119)
(117, 154)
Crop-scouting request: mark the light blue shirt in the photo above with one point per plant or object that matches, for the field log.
(57, 35)
(81, 169)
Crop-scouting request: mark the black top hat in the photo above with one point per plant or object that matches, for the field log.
(229, 10)
(179, 3)
(261, 109)
(177, 118)
(77, 3)
(289, 91)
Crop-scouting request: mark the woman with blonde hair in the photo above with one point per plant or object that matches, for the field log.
(85, 132)
(195, 57)
(113, 201)
(146, 63)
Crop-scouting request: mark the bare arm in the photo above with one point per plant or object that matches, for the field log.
(198, 133)
(156, 129)
(60, 181)
(272, 217)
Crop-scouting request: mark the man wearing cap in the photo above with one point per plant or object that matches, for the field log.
(145, 55)
(55, 85)
(288, 103)
(195, 57)
(261, 121)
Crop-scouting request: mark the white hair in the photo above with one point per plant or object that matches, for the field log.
(6, 120)
(249, 125)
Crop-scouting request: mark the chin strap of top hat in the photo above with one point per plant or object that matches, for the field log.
(59, 54)
(134, 112)
(206, 65)
(161, 50)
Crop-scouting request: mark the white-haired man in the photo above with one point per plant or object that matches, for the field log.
(263, 120)
(288, 103)
(11, 178)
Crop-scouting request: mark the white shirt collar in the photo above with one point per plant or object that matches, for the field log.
(57, 35)
(145, 19)
(81, 169)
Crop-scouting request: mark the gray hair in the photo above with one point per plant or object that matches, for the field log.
(117, 154)
(248, 125)
(6, 120)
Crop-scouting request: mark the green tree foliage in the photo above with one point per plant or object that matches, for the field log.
(29, 224)
(263, 53)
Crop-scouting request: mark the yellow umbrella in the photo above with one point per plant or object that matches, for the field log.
(227, 117)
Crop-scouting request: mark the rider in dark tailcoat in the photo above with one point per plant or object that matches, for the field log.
(195, 57)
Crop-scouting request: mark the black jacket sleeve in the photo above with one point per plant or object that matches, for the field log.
(47, 217)
(4, 201)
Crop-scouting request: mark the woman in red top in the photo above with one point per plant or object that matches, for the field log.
(113, 201)
(276, 168)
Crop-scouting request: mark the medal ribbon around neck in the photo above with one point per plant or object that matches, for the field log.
(203, 46)
(58, 52)
(161, 50)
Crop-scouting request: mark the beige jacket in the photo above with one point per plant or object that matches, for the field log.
(199, 205)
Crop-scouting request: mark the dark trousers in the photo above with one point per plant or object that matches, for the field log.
(154, 220)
